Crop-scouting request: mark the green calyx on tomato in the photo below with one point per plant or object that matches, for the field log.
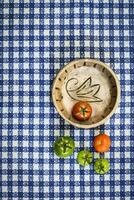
(64, 146)
(101, 166)
(84, 158)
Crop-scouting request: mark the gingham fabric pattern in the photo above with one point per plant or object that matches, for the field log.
(37, 38)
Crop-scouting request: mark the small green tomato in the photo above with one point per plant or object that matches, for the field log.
(84, 158)
(64, 146)
(101, 166)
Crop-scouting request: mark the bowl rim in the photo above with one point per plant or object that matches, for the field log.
(94, 61)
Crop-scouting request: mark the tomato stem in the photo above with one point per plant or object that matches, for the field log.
(83, 110)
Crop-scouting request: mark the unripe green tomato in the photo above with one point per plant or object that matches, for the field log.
(84, 158)
(64, 146)
(101, 166)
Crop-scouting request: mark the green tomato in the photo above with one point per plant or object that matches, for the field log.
(64, 146)
(101, 166)
(84, 158)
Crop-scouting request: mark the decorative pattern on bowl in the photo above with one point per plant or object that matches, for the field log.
(86, 80)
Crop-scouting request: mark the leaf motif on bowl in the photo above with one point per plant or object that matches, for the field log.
(83, 92)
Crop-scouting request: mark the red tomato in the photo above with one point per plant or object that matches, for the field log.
(102, 143)
(82, 111)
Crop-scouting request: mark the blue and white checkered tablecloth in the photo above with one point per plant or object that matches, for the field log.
(37, 38)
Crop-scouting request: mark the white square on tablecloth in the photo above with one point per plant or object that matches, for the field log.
(4, 166)
(5, 55)
(5, 143)
(15, 88)
(25, 143)
(26, 11)
(126, 21)
(86, 32)
(77, 189)
(16, 54)
(26, 54)
(4, 189)
(5, 33)
(25, 121)
(106, 53)
(37, 10)
(15, 121)
(26, 32)
(25, 166)
(16, 21)
(47, 21)
(6, 10)
(117, 165)
(67, 10)
(106, 22)
(15, 143)
(77, 54)
(107, 177)
(5, 109)
(16, 77)
(116, 54)
(25, 189)
(76, 177)
(96, 188)
(36, 166)
(46, 189)
(96, 177)
(127, 121)
(5, 43)
(36, 21)
(106, 11)
(25, 155)
(15, 154)
(76, 21)
(16, 32)
(116, 11)
(117, 188)
(128, 164)
(5, 21)
(127, 87)
(116, 21)
(116, 154)
(35, 177)
(36, 189)
(4, 177)
(15, 177)
(26, 21)
(126, 54)
(67, 189)
(56, 165)
(25, 177)
(66, 178)
(5, 121)
(127, 98)
(36, 155)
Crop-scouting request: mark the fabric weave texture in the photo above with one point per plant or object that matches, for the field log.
(37, 38)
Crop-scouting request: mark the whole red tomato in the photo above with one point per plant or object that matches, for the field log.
(102, 143)
(82, 111)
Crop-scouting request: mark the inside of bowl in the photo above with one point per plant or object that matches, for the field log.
(92, 83)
